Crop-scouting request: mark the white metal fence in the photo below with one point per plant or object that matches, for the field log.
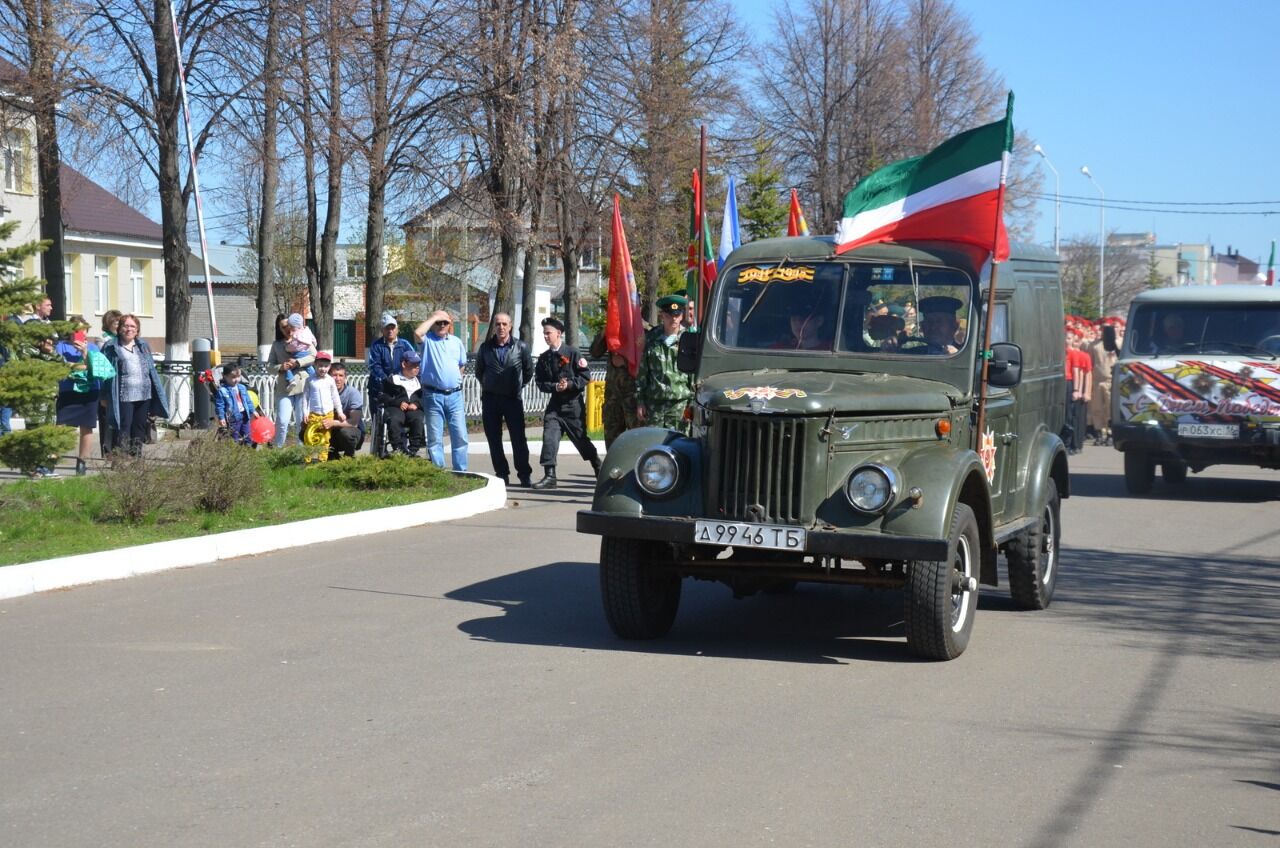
(179, 380)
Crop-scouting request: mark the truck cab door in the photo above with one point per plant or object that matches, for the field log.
(998, 448)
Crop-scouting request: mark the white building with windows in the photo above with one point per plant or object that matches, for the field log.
(113, 256)
(19, 195)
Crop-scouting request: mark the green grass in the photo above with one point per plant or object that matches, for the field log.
(53, 518)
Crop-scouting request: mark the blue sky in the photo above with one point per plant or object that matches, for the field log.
(1164, 101)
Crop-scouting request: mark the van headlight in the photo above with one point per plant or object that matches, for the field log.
(658, 470)
(872, 487)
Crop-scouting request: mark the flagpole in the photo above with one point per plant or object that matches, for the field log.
(698, 306)
(991, 290)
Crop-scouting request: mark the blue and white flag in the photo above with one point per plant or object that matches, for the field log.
(730, 237)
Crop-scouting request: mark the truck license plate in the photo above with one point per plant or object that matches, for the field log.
(1210, 431)
(749, 535)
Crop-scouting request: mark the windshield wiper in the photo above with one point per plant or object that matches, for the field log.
(764, 290)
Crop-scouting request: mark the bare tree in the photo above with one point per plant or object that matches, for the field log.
(140, 90)
(679, 55)
(1127, 275)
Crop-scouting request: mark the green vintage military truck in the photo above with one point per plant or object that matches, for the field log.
(834, 440)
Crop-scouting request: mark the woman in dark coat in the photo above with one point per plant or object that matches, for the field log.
(135, 393)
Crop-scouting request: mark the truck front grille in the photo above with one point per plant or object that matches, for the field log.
(759, 462)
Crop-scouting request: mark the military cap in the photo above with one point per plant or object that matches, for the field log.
(553, 322)
(672, 304)
(940, 303)
(897, 311)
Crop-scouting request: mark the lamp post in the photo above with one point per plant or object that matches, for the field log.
(1057, 197)
(1102, 242)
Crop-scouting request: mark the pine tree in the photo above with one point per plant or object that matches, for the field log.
(765, 212)
(28, 384)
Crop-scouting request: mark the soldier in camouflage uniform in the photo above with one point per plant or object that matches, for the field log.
(662, 390)
(619, 412)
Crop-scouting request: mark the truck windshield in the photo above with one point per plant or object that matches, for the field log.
(877, 308)
(1248, 328)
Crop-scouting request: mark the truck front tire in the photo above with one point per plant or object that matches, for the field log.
(1033, 558)
(941, 597)
(640, 595)
(1139, 472)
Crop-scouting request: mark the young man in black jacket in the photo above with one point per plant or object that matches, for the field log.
(401, 398)
(504, 366)
(562, 372)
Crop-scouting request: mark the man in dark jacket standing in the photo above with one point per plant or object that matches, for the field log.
(504, 366)
(562, 372)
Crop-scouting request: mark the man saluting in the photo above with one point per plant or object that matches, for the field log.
(562, 372)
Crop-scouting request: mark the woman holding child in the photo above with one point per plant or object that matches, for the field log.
(291, 377)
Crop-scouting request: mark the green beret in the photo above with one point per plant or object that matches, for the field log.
(673, 304)
(895, 309)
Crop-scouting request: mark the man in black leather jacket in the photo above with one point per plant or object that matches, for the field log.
(562, 373)
(504, 366)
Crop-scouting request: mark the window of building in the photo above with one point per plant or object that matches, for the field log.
(137, 281)
(102, 282)
(355, 269)
(15, 160)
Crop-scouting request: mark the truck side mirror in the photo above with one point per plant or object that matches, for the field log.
(1004, 371)
(687, 354)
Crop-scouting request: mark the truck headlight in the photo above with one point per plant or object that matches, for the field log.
(872, 488)
(658, 470)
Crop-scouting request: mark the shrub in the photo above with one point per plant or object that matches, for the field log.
(220, 474)
(27, 450)
(284, 457)
(138, 487)
(370, 472)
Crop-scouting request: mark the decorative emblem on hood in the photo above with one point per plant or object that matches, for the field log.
(763, 393)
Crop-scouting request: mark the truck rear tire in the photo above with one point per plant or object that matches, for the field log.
(1139, 472)
(1033, 558)
(941, 597)
(640, 595)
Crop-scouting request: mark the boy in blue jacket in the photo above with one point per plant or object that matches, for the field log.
(233, 405)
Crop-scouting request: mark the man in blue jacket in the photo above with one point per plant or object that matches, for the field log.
(383, 358)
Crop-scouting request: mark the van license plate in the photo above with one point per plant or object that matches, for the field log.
(1210, 431)
(749, 535)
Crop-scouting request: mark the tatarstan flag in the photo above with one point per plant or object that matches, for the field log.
(954, 193)
(623, 326)
(1271, 266)
(699, 247)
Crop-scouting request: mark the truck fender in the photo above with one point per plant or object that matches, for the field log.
(1046, 462)
(618, 492)
(932, 517)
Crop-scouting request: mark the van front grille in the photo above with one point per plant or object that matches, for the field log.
(760, 462)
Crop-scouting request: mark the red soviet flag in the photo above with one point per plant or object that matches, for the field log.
(623, 327)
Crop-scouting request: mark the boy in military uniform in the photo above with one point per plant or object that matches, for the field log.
(562, 372)
(663, 392)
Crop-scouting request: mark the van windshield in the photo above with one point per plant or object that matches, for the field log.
(876, 308)
(1181, 328)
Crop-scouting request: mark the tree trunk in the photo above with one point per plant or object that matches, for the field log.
(310, 257)
(375, 222)
(270, 184)
(40, 30)
(572, 259)
(173, 206)
(334, 161)
(529, 315)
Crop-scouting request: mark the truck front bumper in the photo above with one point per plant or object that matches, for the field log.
(838, 543)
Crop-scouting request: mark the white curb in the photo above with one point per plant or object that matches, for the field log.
(30, 577)
(480, 447)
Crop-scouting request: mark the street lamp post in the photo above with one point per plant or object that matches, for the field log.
(1102, 242)
(1057, 197)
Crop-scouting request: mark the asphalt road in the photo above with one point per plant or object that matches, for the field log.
(457, 686)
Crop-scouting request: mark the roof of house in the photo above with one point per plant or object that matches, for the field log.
(11, 74)
(89, 208)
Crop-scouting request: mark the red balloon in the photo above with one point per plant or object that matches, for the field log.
(262, 430)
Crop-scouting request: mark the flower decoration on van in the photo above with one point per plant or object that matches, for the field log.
(763, 393)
